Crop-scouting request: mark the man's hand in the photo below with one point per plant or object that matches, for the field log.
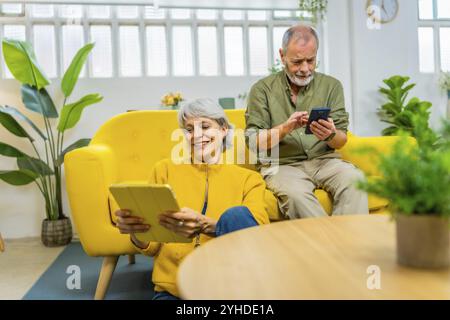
(323, 129)
(187, 223)
(296, 120)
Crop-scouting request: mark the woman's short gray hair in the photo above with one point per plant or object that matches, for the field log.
(206, 108)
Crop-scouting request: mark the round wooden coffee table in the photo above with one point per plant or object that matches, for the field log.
(346, 257)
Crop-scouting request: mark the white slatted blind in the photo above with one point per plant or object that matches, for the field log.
(45, 48)
(12, 8)
(101, 55)
(257, 15)
(130, 51)
(180, 14)
(205, 14)
(258, 51)
(443, 9)
(234, 51)
(16, 32)
(127, 12)
(207, 51)
(445, 49)
(156, 50)
(233, 14)
(426, 50)
(425, 9)
(72, 41)
(182, 58)
(152, 13)
(282, 14)
(278, 33)
(71, 11)
(42, 10)
(99, 12)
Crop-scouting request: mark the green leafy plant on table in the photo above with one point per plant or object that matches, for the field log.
(416, 181)
(43, 168)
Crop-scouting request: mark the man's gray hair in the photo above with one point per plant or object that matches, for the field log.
(206, 108)
(299, 32)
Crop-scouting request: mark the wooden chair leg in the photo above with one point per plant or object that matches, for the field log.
(108, 266)
(2, 245)
(131, 259)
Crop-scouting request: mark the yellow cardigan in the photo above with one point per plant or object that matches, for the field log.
(228, 186)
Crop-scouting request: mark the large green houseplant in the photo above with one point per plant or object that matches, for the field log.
(416, 181)
(43, 168)
(398, 112)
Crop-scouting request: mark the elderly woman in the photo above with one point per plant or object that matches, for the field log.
(216, 198)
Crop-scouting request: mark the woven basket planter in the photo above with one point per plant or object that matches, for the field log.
(56, 232)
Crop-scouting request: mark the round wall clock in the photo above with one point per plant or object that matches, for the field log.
(382, 11)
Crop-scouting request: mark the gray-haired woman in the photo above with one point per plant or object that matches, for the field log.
(216, 198)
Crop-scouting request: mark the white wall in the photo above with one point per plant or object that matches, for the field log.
(359, 57)
(379, 54)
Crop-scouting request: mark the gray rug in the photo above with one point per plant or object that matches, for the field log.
(128, 281)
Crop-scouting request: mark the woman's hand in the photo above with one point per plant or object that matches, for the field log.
(129, 224)
(187, 223)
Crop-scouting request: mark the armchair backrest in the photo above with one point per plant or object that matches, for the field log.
(139, 139)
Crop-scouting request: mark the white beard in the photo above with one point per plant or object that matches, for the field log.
(299, 82)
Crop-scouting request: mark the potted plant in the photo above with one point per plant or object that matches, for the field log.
(397, 112)
(276, 67)
(314, 9)
(43, 168)
(172, 100)
(444, 83)
(416, 181)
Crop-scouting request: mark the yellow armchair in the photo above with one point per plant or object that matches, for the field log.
(124, 149)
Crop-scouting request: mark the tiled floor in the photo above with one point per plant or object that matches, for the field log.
(21, 264)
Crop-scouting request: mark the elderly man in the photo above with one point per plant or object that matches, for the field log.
(277, 113)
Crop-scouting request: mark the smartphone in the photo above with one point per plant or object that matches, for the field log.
(315, 115)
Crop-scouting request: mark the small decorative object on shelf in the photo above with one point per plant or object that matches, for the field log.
(172, 100)
(227, 103)
(444, 83)
(315, 9)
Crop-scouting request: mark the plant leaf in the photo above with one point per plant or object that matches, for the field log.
(13, 126)
(38, 101)
(73, 72)
(390, 131)
(14, 112)
(71, 113)
(18, 177)
(9, 151)
(21, 61)
(34, 165)
(78, 144)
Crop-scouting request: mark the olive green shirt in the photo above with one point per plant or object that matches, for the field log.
(269, 105)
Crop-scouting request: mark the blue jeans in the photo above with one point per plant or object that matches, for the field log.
(233, 219)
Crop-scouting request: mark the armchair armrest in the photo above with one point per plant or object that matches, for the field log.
(367, 161)
(89, 173)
